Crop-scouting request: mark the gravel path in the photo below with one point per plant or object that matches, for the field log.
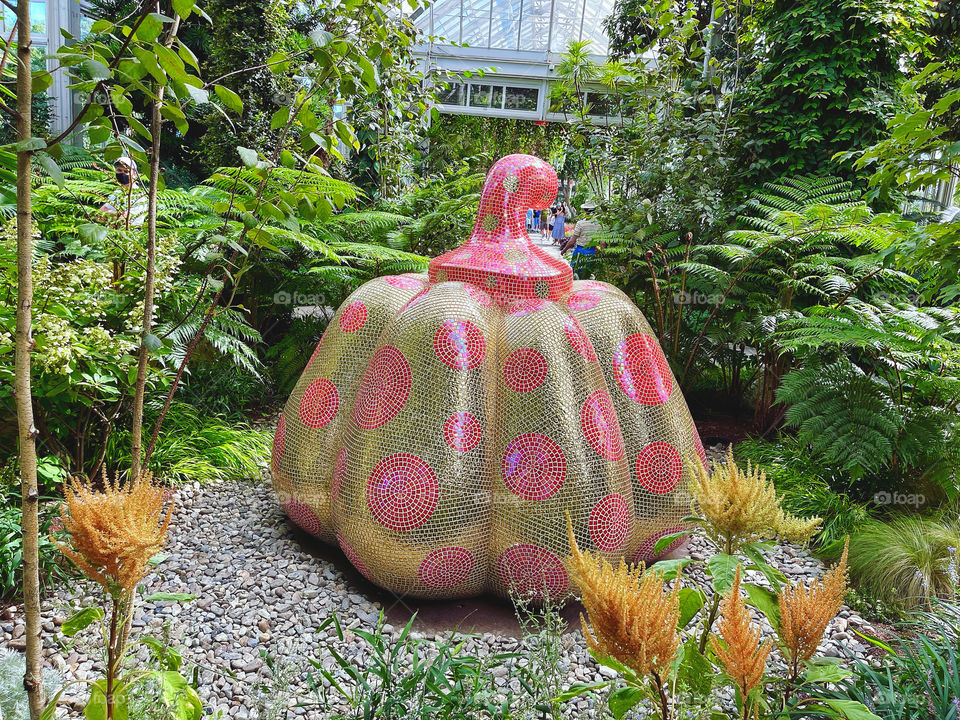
(263, 588)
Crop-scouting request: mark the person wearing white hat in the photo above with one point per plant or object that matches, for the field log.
(585, 227)
(130, 202)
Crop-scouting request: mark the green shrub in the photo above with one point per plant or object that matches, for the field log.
(805, 490)
(11, 550)
(196, 446)
(909, 559)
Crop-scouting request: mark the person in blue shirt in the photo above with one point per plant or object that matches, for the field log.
(558, 228)
(529, 218)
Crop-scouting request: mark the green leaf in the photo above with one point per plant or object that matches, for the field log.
(100, 27)
(695, 670)
(280, 118)
(152, 342)
(671, 568)
(247, 156)
(98, 134)
(850, 709)
(81, 620)
(40, 81)
(624, 699)
(92, 233)
(765, 601)
(578, 689)
(51, 167)
(723, 569)
(30, 145)
(691, 600)
(198, 95)
(170, 597)
(663, 542)
(183, 7)
(825, 670)
(875, 641)
(96, 69)
(229, 98)
(96, 707)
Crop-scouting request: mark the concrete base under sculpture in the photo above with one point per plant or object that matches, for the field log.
(447, 423)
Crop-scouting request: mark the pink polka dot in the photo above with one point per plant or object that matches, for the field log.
(594, 285)
(599, 423)
(416, 299)
(659, 467)
(583, 299)
(353, 317)
(462, 431)
(384, 389)
(533, 466)
(353, 556)
(459, 344)
(279, 438)
(532, 570)
(445, 567)
(481, 297)
(578, 339)
(645, 551)
(339, 473)
(303, 516)
(525, 370)
(402, 492)
(525, 306)
(642, 371)
(610, 523)
(319, 403)
(406, 282)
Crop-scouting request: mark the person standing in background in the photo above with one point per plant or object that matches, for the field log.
(558, 225)
(529, 219)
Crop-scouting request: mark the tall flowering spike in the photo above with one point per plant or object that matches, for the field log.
(634, 618)
(741, 507)
(743, 656)
(114, 533)
(805, 611)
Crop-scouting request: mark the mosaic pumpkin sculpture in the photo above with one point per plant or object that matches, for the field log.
(446, 423)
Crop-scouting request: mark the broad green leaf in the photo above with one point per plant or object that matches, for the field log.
(149, 29)
(765, 601)
(51, 167)
(229, 98)
(723, 569)
(98, 134)
(671, 568)
(666, 540)
(96, 69)
(92, 233)
(578, 689)
(695, 670)
(30, 145)
(691, 600)
(149, 62)
(247, 156)
(183, 7)
(825, 670)
(96, 707)
(624, 699)
(280, 118)
(100, 27)
(198, 95)
(40, 81)
(850, 709)
(80, 620)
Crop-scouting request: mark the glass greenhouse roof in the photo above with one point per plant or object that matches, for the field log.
(519, 25)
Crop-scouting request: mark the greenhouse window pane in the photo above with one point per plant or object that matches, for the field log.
(476, 30)
(593, 14)
(446, 20)
(456, 94)
(38, 18)
(522, 98)
(497, 99)
(505, 25)
(480, 95)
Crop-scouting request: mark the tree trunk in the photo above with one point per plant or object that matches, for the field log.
(33, 678)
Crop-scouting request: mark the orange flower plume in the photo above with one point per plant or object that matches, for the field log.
(805, 611)
(114, 533)
(634, 618)
(743, 656)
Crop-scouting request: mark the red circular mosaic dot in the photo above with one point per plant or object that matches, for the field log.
(339, 473)
(353, 317)
(532, 570)
(402, 491)
(645, 551)
(525, 369)
(446, 567)
(481, 297)
(583, 299)
(303, 516)
(599, 422)
(577, 337)
(610, 523)
(383, 390)
(525, 306)
(642, 371)
(319, 403)
(659, 467)
(462, 431)
(459, 344)
(533, 466)
(353, 557)
(404, 281)
(279, 438)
